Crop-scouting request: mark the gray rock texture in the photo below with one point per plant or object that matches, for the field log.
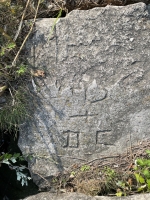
(95, 97)
(76, 196)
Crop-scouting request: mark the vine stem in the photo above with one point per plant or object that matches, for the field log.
(15, 59)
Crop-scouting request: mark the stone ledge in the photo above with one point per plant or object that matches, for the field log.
(77, 196)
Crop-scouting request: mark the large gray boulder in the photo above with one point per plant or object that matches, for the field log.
(95, 97)
(76, 196)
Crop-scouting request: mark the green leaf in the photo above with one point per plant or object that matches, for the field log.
(7, 156)
(148, 152)
(22, 182)
(141, 188)
(148, 183)
(135, 167)
(148, 163)
(2, 52)
(30, 157)
(119, 194)
(16, 155)
(73, 173)
(140, 162)
(11, 45)
(85, 168)
(120, 184)
(6, 162)
(22, 69)
(146, 173)
(13, 160)
(21, 158)
(18, 176)
(139, 178)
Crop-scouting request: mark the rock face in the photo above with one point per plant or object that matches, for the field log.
(95, 97)
(76, 196)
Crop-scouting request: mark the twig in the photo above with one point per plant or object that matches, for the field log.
(130, 146)
(115, 156)
(42, 177)
(13, 102)
(21, 22)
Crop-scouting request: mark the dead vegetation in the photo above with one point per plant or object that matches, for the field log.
(88, 4)
(113, 175)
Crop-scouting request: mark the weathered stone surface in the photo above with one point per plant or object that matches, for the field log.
(76, 196)
(95, 97)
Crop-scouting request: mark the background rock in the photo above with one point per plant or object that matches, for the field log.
(95, 97)
(69, 5)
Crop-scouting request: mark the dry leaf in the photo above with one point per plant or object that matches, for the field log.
(130, 181)
(39, 73)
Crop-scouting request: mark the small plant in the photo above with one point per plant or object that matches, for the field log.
(15, 113)
(142, 173)
(124, 187)
(110, 173)
(21, 70)
(9, 160)
(110, 177)
(72, 174)
(106, 180)
(54, 180)
(8, 47)
(54, 24)
(85, 168)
